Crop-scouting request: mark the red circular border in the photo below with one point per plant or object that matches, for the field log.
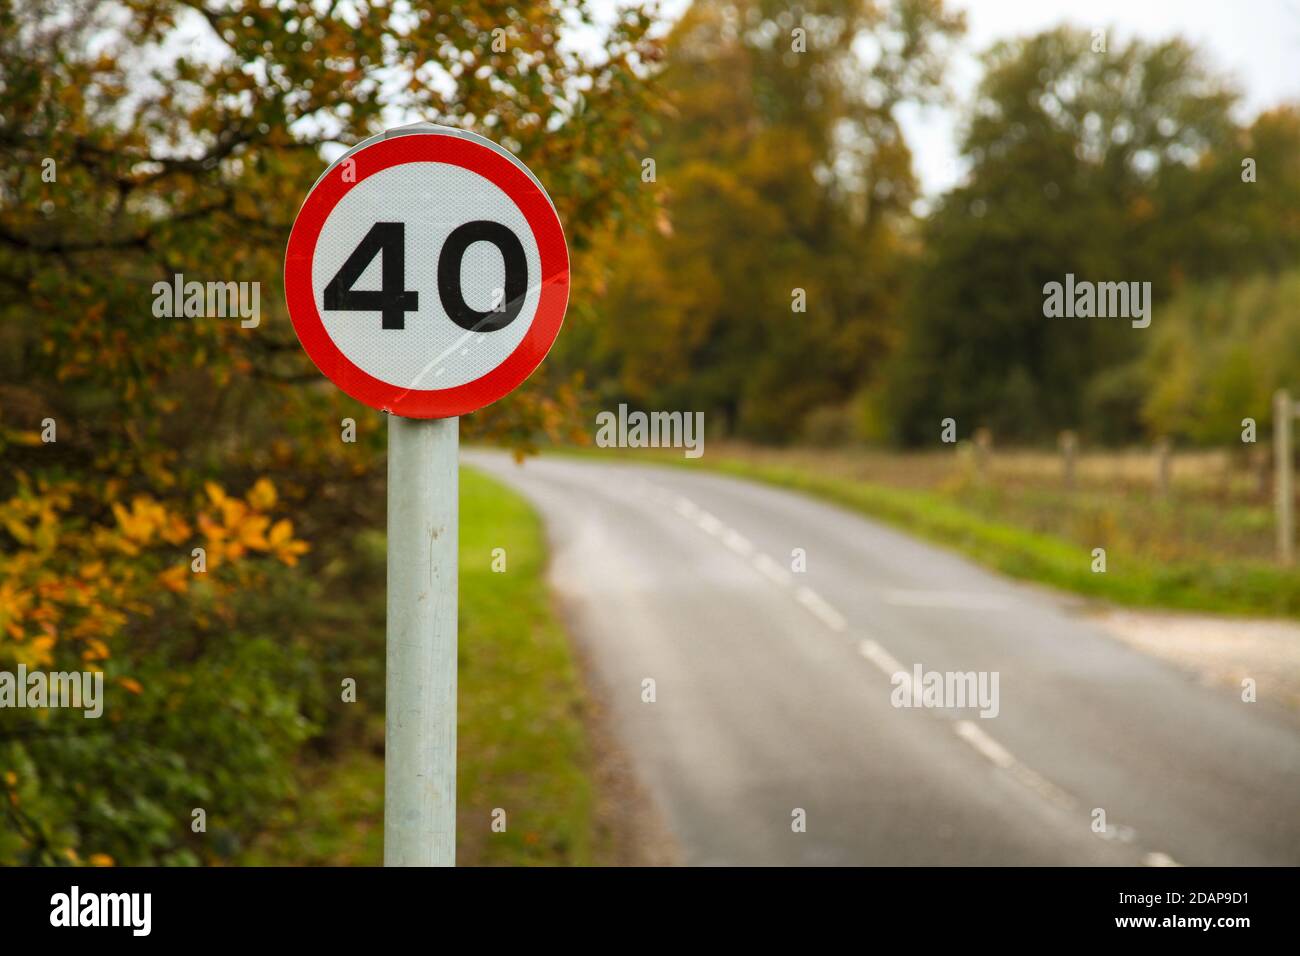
(438, 402)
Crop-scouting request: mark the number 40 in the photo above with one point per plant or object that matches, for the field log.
(393, 300)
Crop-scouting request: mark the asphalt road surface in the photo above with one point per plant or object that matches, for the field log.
(773, 691)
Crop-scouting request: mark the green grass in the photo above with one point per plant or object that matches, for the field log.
(522, 741)
(1004, 530)
(522, 746)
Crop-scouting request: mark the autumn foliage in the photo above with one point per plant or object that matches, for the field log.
(190, 523)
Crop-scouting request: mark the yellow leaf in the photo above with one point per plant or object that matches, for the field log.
(22, 534)
(131, 684)
(281, 532)
(41, 650)
(232, 512)
(252, 532)
(214, 492)
(211, 530)
(262, 496)
(177, 531)
(288, 552)
(175, 579)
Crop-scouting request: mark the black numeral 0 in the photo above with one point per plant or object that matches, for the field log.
(516, 285)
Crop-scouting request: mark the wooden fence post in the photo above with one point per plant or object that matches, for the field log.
(1069, 443)
(983, 449)
(1283, 410)
(1163, 466)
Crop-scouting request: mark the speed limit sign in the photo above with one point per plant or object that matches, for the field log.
(426, 276)
(427, 273)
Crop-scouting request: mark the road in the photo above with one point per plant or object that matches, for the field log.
(772, 691)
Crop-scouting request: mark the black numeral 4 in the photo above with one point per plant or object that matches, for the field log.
(391, 300)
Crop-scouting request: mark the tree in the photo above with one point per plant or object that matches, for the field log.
(1110, 166)
(1222, 350)
(149, 138)
(785, 182)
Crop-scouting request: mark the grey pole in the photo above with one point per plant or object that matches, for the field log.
(420, 726)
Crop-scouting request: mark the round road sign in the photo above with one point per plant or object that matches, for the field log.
(427, 273)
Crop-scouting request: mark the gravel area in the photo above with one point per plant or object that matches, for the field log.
(1220, 651)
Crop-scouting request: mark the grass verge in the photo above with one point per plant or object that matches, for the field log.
(522, 740)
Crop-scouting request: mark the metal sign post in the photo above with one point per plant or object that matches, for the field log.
(420, 730)
(426, 276)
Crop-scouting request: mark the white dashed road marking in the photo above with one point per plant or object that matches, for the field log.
(882, 659)
(709, 523)
(771, 570)
(737, 542)
(820, 609)
(885, 662)
(985, 745)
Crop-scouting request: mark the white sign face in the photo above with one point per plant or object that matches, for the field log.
(427, 273)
